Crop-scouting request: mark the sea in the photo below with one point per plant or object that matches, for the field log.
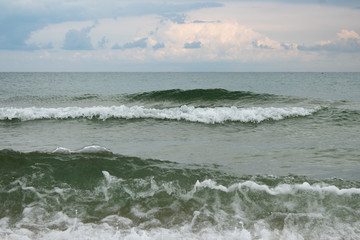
(179, 156)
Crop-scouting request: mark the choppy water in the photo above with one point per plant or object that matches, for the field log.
(180, 156)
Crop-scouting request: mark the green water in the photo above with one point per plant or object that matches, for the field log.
(179, 156)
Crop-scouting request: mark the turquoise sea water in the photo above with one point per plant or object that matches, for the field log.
(180, 155)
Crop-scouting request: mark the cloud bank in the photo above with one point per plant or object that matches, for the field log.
(197, 33)
(347, 41)
(19, 18)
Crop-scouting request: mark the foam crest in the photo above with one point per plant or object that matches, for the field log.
(188, 113)
(86, 149)
(280, 189)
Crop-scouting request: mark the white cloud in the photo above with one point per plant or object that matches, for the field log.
(124, 30)
(21, 17)
(246, 32)
(155, 38)
(285, 21)
(56, 33)
(346, 34)
(216, 41)
(347, 41)
(116, 31)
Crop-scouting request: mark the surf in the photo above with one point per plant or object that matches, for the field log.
(187, 113)
(88, 194)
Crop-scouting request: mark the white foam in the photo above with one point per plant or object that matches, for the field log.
(86, 149)
(188, 113)
(151, 187)
(37, 224)
(109, 181)
(102, 231)
(280, 189)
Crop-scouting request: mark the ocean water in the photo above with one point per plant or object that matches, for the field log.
(180, 156)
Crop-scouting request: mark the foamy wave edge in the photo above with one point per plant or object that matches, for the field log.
(188, 113)
(86, 149)
(280, 189)
(78, 230)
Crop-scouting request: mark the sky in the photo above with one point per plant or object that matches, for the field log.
(180, 35)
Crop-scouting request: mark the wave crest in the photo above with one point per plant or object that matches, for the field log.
(216, 94)
(188, 113)
(278, 190)
(86, 149)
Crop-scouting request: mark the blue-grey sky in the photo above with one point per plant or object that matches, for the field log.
(179, 35)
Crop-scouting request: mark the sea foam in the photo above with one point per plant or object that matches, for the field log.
(278, 190)
(86, 149)
(231, 217)
(188, 113)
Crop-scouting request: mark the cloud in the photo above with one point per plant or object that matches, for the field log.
(176, 18)
(347, 41)
(158, 46)
(18, 19)
(212, 40)
(78, 39)
(185, 7)
(202, 21)
(168, 8)
(259, 44)
(103, 42)
(215, 40)
(15, 30)
(159, 32)
(288, 46)
(346, 34)
(343, 3)
(116, 46)
(150, 38)
(141, 43)
(192, 45)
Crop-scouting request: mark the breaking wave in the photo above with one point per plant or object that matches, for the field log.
(86, 149)
(187, 113)
(107, 196)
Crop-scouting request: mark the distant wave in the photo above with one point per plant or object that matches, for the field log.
(198, 95)
(205, 96)
(188, 113)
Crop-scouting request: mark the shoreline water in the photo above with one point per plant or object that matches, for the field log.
(179, 155)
